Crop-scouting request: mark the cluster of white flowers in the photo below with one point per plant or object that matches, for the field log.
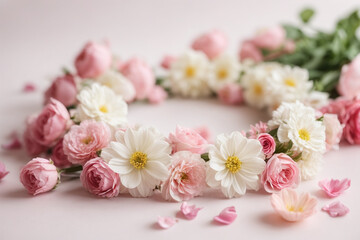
(270, 84)
(297, 123)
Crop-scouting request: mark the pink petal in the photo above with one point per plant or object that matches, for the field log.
(14, 142)
(227, 216)
(29, 87)
(334, 187)
(336, 209)
(166, 222)
(190, 212)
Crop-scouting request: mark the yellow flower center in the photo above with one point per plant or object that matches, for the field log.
(291, 208)
(233, 163)
(258, 90)
(87, 140)
(138, 160)
(304, 134)
(103, 109)
(222, 74)
(190, 71)
(290, 82)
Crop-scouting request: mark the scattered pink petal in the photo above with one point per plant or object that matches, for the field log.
(227, 216)
(166, 222)
(3, 171)
(29, 87)
(190, 212)
(14, 142)
(336, 209)
(334, 187)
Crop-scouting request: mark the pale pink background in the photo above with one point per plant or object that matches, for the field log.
(37, 38)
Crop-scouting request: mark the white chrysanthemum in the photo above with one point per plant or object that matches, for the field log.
(118, 83)
(316, 99)
(235, 163)
(188, 74)
(310, 165)
(102, 104)
(141, 157)
(223, 70)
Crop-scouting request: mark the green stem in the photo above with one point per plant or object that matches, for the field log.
(71, 169)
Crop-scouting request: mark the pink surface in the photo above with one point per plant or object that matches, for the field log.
(39, 37)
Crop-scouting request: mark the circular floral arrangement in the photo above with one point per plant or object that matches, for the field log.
(83, 125)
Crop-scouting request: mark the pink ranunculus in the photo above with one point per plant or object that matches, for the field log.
(270, 38)
(58, 156)
(99, 179)
(3, 171)
(187, 177)
(349, 83)
(248, 50)
(212, 43)
(351, 118)
(32, 147)
(334, 187)
(334, 131)
(336, 106)
(280, 172)
(268, 144)
(62, 89)
(93, 60)
(227, 216)
(157, 95)
(167, 61)
(140, 75)
(231, 94)
(83, 141)
(39, 176)
(50, 124)
(187, 139)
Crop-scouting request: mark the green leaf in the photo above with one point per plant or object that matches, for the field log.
(205, 156)
(306, 14)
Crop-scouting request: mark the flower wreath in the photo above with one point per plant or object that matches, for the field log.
(83, 125)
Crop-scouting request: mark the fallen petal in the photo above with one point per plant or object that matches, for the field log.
(29, 87)
(13, 144)
(336, 209)
(166, 222)
(3, 171)
(334, 187)
(227, 216)
(190, 212)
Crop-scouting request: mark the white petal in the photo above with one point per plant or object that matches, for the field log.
(131, 180)
(157, 170)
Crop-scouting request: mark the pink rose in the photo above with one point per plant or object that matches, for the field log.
(187, 177)
(58, 156)
(38, 176)
(349, 83)
(83, 141)
(3, 171)
(157, 95)
(231, 94)
(351, 118)
(32, 147)
(62, 89)
(187, 139)
(280, 172)
(248, 50)
(212, 43)
(140, 75)
(204, 132)
(268, 144)
(93, 60)
(334, 131)
(167, 61)
(271, 38)
(51, 123)
(99, 179)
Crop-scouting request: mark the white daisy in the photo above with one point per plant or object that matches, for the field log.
(141, 157)
(310, 165)
(316, 99)
(223, 70)
(235, 163)
(118, 83)
(102, 104)
(188, 73)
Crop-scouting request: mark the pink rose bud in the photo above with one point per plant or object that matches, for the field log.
(32, 147)
(231, 94)
(62, 89)
(270, 38)
(212, 43)
(248, 50)
(349, 83)
(140, 75)
(333, 131)
(187, 139)
(280, 172)
(93, 60)
(268, 144)
(58, 156)
(39, 176)
(167, 61)
(3, 171)
(157, 95)
(99, 179)
(51, 124)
